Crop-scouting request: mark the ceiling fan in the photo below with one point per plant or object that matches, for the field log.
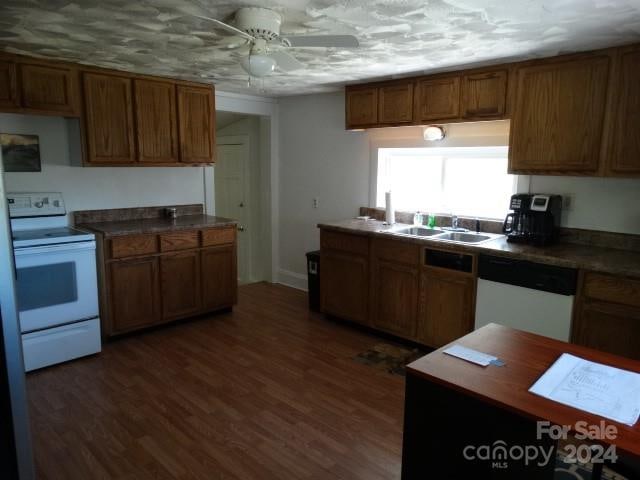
(260, 30)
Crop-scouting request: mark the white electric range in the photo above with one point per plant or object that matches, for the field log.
(56, 284)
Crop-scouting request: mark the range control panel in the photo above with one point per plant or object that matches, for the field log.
(22, 205)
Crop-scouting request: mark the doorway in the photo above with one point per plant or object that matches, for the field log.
(240, 190)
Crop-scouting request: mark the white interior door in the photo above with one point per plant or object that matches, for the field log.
(232, 197)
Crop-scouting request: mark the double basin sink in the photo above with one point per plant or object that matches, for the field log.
(444, 235)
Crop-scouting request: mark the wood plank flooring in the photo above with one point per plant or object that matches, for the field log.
(269, 391)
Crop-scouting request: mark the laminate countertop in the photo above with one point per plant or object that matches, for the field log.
(598, 259)
(156, 225)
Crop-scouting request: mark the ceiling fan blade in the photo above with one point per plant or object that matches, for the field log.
(286, 62)
(228, 27)
(326, 41)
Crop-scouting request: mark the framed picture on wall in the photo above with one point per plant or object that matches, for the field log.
(20, 153)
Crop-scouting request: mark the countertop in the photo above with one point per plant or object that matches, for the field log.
(156, 225)
(599, 259)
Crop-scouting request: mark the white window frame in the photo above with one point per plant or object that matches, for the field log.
(522, 181)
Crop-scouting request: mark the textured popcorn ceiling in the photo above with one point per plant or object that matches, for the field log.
(397, 36)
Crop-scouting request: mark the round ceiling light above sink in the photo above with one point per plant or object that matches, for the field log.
(433, 133)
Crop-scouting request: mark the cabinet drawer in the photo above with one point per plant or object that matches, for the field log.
(218, 236)
(344, 242)
(612, 289)
(397, 251)
(131, 245)
(170, 242)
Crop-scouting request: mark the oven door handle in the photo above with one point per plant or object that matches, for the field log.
(56, 248)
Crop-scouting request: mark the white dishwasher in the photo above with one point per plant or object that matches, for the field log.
(528, 296)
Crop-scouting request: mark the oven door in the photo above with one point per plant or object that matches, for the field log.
(56, 284)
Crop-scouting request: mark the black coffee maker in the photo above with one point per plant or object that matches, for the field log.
(535, 218)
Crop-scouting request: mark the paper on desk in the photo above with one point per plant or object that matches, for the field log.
(595, 388)
(470, 355)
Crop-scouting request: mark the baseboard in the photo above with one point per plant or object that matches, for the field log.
(292, 279)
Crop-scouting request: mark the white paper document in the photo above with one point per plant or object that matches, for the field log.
(470, 355)
(595, 388)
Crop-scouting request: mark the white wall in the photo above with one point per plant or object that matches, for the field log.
(96, 187)
(318, 158)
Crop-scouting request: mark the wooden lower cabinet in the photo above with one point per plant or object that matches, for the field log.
(133, 294)
(219, 277)
(344, 285)
(143, 285)
(180, 284)
(395, 297)
(608, 327)
(446, 306)
(607, 314)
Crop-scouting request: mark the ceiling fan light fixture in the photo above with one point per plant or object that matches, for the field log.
(258, 65)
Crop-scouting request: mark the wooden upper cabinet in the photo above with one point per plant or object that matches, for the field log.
(623, 154)
(109, 119)
(156, 121)
(361, 107)
(437, 99)
(49, 89)
(558, 116)
(8, 85)
(196, 124)
(395, 103)
(484, 95)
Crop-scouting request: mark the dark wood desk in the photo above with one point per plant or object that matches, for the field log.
(451, 403)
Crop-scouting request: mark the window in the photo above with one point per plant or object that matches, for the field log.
(468, 181)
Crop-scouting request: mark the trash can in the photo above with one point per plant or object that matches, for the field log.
(313, 275)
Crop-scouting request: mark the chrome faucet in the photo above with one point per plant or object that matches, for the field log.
(454, 222)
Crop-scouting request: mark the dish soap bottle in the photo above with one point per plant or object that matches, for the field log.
(431, 222)
(418, 218)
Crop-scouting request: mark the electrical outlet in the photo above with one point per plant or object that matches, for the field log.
(316, 202)
(567, 201)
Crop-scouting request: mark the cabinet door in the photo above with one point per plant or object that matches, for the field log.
(156, 122)
(557, 124)
(361, 107)
(608, 327)
(344, 285)
(484, 95)
(395, 297)
(624, 156)
(196, 124)
(8, 85)
(219, 277)
(109, 119)
(437, 99)
(180, 284)
(49, 89)
(395, 104)
(446, 306)
(133, 294)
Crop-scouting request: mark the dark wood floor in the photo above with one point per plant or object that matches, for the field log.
(269, 391)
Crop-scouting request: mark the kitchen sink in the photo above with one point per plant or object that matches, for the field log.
(463, 237)
(418, 231)
(441, 235)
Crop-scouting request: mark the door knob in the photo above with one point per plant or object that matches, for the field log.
(241, 204)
